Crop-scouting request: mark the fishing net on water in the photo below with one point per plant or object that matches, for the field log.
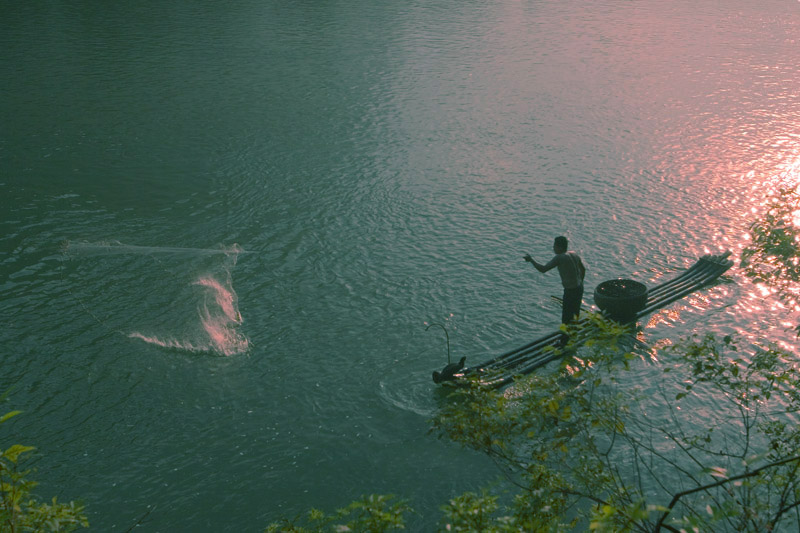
(174, 298)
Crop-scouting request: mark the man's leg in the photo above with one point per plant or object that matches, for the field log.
(570, 308)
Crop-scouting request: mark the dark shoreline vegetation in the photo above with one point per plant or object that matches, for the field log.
(20, 509)
(577, 451)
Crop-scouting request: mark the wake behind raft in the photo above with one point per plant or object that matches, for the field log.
(625, 301)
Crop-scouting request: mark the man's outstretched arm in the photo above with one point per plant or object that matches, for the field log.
(540, 267)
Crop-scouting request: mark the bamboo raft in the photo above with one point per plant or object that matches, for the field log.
(501, 370)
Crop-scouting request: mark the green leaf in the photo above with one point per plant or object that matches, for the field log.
(6, 416)
(13, 453)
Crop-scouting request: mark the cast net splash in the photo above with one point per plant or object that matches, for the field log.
(153, 296)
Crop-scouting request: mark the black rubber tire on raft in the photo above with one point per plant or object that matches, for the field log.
(621, 299)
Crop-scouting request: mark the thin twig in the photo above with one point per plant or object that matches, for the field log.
(752, 473)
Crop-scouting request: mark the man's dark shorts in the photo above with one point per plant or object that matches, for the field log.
(572, 304)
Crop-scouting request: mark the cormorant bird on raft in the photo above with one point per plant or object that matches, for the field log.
(449, 371)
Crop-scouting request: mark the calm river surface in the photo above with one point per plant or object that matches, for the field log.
(225, 226)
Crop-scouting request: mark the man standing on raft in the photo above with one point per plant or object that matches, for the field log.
(572, 272)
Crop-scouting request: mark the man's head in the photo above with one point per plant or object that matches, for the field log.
(560, 245)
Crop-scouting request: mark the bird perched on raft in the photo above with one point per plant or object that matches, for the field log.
(448, 371)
